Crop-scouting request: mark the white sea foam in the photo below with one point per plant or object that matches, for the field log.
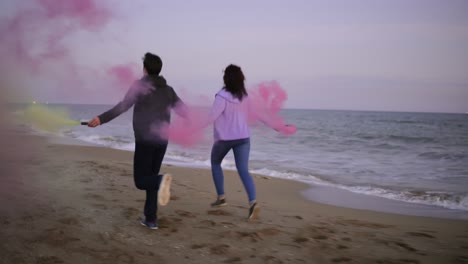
(442, 199)
(434, 198)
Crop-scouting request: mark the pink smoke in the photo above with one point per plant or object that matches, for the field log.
(188, 130)
(123, 75)
(35, 39)
(47, 25)
(265, 103)
(86, 12)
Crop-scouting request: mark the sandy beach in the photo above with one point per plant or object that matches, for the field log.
(78, 204)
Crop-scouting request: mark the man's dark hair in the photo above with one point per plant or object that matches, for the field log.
(234, 81)
(152, 63)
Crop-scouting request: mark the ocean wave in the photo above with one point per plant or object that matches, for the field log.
(408, 139)
(406, 122)
(366, 136)
(386, 146)
(438, 155)
(293, 176)
(107, 141)
(454, 201)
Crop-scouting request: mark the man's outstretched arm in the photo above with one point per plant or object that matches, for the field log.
(123, 106)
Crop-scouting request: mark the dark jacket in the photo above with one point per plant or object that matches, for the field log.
(153, 100)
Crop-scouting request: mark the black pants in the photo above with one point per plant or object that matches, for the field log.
(146, 165)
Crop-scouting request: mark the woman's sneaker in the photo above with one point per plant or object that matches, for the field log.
(219, 202)
(254, 210)
(149, 224)
(164, 193)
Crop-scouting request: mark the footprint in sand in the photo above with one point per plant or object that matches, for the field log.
(55, 237)
(207, 223)
(104, 167)
(398, 244)
(397, 261)
(186, 214)
(342, 247)
(123, 258)
(252, 236)
(325, 229)
(103, 238)
(95, 197)
(49, 260)
(419, 234)
(341, 259)
(88, 163)
(28, 218)
(405, 246)
(198, 246)
(358, 223)
(126, 174)
(271, 260)
(169, 223)
(86, 180)
(289, 245)
(147, 253)
(219, 212)
(174, 198)
(462, 259)
(319, 232)
(100, 206)
(295, 217)
(228, 224)
(130, 213)
(300, 239)
(69, 221)
(300, 260)
(313, 232)
(320, 237)
(219, 249)
(233, 260)
(269, 231)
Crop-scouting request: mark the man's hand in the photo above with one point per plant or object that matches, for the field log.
(95, 122)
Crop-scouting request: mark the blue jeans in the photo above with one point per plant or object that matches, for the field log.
(241, 148)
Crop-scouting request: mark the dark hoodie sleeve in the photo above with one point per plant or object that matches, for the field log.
(128, 101)
(175, 98)
(180, 108)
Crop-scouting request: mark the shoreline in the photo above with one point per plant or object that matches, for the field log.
(329, 195)
(75, 204)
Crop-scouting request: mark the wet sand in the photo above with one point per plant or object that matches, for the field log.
(78, 204)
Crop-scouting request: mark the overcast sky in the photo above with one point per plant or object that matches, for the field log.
(394, 55)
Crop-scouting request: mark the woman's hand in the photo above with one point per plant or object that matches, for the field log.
(287, 129)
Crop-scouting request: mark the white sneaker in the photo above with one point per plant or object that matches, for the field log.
(254, 211)
(164, 193)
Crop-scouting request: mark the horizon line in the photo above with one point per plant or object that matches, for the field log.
(286, 108)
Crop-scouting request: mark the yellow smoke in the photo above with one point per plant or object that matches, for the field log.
(47, 118)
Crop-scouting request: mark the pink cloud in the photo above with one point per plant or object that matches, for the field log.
(35, 38)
